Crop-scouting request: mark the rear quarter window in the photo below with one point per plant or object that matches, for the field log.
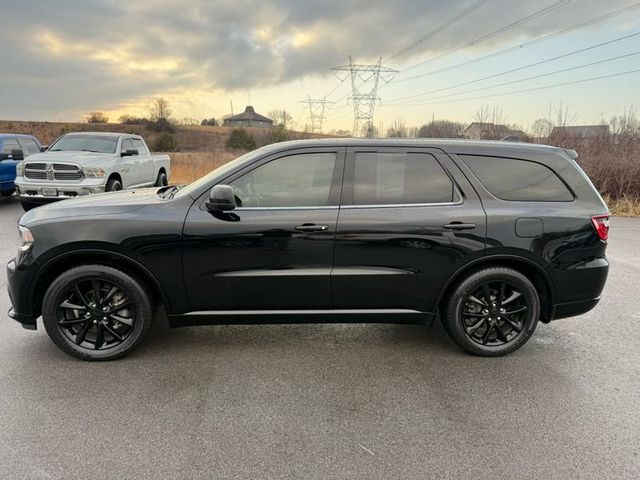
(518, 180)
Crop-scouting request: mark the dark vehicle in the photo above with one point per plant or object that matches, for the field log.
(13, 149)
(492, 236)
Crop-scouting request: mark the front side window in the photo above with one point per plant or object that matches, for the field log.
(127, 144)
(29, 146)
(85, 143)
(301, 180)
(399, 178)
(139, 145)
(9, 145)
(518, 180)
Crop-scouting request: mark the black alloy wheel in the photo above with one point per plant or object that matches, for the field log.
(97, 312)
(492, 312)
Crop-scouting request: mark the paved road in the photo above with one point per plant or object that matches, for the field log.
(330, 401)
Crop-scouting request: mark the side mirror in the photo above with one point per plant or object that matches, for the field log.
(221, 198)
(129, 153)
(17, 155)
(5, 156)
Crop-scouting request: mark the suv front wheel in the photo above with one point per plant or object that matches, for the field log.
(492, 312)
(96, 312)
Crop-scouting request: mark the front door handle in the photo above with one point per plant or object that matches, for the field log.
(459, 226)
(312, 227)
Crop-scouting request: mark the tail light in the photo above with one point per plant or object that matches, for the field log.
(601, 224)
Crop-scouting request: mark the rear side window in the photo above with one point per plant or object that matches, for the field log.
(30, 146)
(382, 178)
(518, 180)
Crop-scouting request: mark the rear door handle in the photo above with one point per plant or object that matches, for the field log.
(312, 227)
(459, 226)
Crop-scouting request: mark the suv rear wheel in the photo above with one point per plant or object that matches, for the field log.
(492, 312)
(96, 312)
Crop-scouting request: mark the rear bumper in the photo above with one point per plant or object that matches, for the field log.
(573, 309)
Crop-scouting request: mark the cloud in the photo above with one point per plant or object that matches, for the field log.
(79, 56)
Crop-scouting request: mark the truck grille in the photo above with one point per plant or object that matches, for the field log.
(52, 171)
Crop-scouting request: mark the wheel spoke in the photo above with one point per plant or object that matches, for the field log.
(516, 310)
(478, 301)
(124, 320)
(516, 326)
(81, 296)
(475, 326)
(501, 294)
(487, 334)
(119, 307)
(473, 314)
(96, 290)
(486, 293)
(73, 321)
(113, 332)
(72, 306)
(501, 335)
(83, 332)
(111, 293)
(99, 336)
(512, 297)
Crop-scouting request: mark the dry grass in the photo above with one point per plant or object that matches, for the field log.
(186, 167)
(624, 207)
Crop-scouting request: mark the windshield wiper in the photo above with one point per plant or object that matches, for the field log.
(92, 151)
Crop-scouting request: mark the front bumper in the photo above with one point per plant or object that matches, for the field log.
(18, 281)
(38, 192)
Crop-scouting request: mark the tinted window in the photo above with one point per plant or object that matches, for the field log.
(29, 145)
(399, 178)
(85, 143)
(127, 144)
(302, 180)
(518, 180)
(139, 145)
(10, 144)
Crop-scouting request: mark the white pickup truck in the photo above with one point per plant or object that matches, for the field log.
(89, 162)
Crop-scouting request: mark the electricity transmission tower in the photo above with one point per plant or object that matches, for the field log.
(316, 112)
(364, 90)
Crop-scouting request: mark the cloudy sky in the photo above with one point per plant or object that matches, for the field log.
(60, 59)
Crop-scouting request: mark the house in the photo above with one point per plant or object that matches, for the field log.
(581, 132)
(248, 118)
(490, 131)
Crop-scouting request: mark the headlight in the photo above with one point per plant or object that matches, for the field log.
(26, 239)
(20, 169)
(93, 172)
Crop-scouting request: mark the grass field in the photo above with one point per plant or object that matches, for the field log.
(187, 166)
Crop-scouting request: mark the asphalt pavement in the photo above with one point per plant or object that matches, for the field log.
(330, 401)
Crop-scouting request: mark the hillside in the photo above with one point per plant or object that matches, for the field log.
(190, 138)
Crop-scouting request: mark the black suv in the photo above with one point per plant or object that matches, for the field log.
(490, 236)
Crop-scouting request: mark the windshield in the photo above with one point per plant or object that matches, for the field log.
(220, 171)
(85, 143)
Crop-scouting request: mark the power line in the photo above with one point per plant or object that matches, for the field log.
(494, 33)
(440, 28)
(513, 92)
(534, 41)
(523, 67)
(534, 77)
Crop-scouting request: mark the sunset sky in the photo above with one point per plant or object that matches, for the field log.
(61, 59)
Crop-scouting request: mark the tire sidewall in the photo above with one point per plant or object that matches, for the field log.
(113, 184)
(454, 318)
(58, 291)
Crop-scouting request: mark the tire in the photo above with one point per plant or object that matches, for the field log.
(113, 185)
(162, 180)
(26, 206)
(7, 193)
(497, 327)
(112, 328)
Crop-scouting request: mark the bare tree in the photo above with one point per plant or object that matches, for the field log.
(97, 117)
(281, 117)
(159, 110)
(441, 129)
(398, 129)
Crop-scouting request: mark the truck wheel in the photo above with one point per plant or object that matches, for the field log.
(492, 312)
(7, 193)
(113, 185)
(26, 206)
(96, 312)
(162, 180)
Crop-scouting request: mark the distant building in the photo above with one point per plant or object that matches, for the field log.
(490, 131)
(248, 118)
(581, 132)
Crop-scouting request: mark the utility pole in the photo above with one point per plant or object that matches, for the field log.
(316, 112)
(364, 90)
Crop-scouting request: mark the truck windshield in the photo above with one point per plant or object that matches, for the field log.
(85, 143)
